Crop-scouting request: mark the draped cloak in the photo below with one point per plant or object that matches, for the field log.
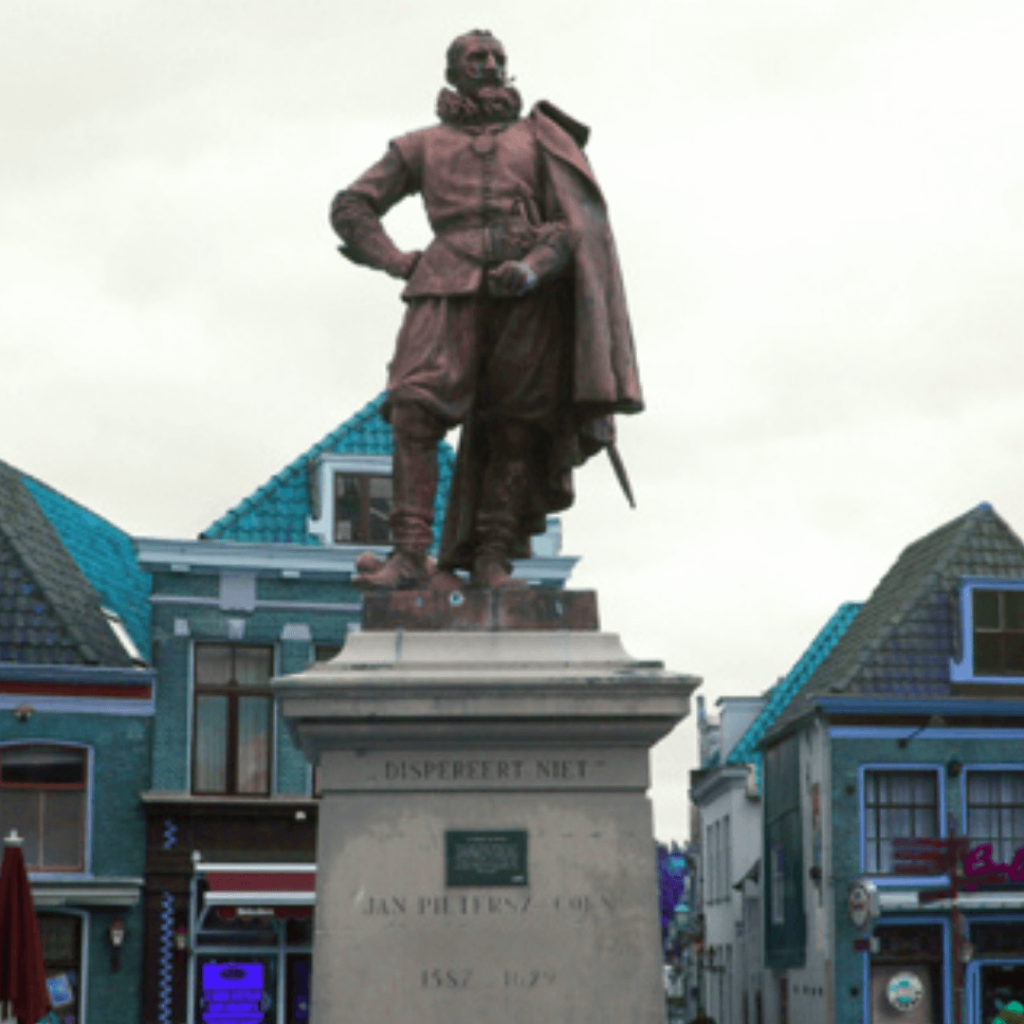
(598, 372)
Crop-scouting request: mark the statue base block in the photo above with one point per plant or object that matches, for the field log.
(485, 849)
(475, 608)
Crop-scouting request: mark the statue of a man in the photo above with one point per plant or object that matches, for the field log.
(515, 324)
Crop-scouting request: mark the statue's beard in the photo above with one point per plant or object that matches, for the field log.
(493, 103)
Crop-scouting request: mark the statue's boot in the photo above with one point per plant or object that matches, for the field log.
(416, 433)
(404, 569)
(503, 496)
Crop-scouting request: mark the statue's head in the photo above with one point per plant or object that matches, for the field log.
(476, 63)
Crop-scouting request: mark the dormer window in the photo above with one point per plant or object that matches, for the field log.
(124, 638)
(998, 626)
(362, 508)
(991, 632)
(351, 499)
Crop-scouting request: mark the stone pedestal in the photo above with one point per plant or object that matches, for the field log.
(485, 849)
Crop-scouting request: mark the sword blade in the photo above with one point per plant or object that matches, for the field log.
(620, 473)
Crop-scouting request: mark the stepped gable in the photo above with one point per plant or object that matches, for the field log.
(279, 511)
(782, 693)
(49, 612)
(901, 643)
(105, 554)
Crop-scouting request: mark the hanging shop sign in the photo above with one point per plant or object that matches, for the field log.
(904, 991)
(862, 902)
(234, 993)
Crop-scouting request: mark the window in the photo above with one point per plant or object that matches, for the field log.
(232, 719)
(715, 875)
(778, 885)
(998, 632)
(124, 638)
(362, 508)
(995, 812)
(897, 804)
(61, 939)
(726, 858)
(350, 498)
(709, 873)
(42, 795)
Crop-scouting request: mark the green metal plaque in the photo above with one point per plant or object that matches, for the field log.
(493, 858)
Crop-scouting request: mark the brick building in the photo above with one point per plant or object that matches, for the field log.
(912, 727)
(76, 717)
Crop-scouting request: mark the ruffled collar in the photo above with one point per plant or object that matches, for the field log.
(498, 106)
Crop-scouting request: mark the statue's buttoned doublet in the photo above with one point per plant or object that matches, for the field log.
(534, 379)
(487, 201)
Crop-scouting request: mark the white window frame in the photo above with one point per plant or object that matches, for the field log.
(726, 858)
(963, 671)
(321, 524)
(709, 877)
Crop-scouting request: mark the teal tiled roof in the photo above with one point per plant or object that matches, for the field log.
(746, 750)
(60, 564)
(105, 556)
(279, 511)
(902, 642)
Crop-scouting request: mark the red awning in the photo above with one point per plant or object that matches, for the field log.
(242, 889)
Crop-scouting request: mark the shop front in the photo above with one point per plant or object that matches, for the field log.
(995, 975)
(914, 966)
(250, 943)
(907, 967)
(90, 931)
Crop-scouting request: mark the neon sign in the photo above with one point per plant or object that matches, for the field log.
(980, 869)
(234, 993)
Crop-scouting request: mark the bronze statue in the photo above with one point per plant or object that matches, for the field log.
(515, 324)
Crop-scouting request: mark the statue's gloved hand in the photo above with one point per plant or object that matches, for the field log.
(511, 279)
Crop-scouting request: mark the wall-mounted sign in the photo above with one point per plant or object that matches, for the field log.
(904, 991)
(922, 856)
(62, 992)
(492, 858)
(862, 902)
(980, 869)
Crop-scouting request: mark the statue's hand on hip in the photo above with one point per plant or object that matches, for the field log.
(511, 279)
(404, 266)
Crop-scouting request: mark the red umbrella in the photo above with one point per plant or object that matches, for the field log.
(22, 971)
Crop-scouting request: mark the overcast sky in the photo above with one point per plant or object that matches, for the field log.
(819, 206)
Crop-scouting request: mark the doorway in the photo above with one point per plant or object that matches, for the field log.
(999, 984)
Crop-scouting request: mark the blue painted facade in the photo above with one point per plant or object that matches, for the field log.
(69, 689)
(890, 711)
